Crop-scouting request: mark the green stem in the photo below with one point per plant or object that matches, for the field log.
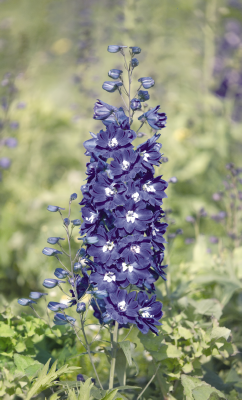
(114, 350)
(149, 382)
(89, 353)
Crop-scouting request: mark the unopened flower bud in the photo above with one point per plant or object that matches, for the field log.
(80, 308)
(135, 104)
(110, 86)
(134, 62)
(147, 83)
(115, 73)
(135, 49)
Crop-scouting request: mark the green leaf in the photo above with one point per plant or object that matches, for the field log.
(189, 383)
(187, 368)
(120, 366)
(54, 397)
(166, 351)
(110, 395)
(203, 392)
(185, 333)
(125, 346)
(215, 396)
(32, 370)
(20, 347)
(207, 307)
(150, 341)
(6, 331)
(23, 362)
(220, 332)
(84, 393)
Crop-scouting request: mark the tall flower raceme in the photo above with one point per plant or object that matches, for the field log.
(122, 231)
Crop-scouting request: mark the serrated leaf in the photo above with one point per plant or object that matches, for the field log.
(120, 366)
(125, 346)
(32, 370)
(84, 393)
(151, 342)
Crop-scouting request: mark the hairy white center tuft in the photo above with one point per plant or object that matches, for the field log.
(148, 188)
(131, 216)
(109, 277)
(125, 165)
(122, 306)
(113, 143)
(135, 196)
(108, 246)
(135, 248)
(128, 267)
(91, 218)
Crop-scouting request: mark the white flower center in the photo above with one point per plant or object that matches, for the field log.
(131, 216)
(148, 188)
(125, 165)
(92, 217)
(135, 248)
(135, 196)
(127, 266)
(108, 246)
(145, 155)
(154, 231)
(113, 143)
(145, 312)
(109, 191)
(122, 306)
(109, 277)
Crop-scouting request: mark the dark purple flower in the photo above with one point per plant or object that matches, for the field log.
(108, 194)
(136, 248)
(153, 189)
(81, 284)
(131, 273)
(132, 216)
(80, 378)
(122, 307)
(149, 313)
(106, 249)
(155, 119)
(99, 307)
(125, 164)
(104, 279)
(91, 218)
(112, 140)
(149, 152)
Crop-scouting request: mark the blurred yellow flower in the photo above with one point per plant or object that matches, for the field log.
(61, 46)
(181, 134)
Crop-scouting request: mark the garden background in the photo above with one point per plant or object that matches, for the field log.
(53, 61)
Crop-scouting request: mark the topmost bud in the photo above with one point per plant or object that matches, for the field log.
(115, 48)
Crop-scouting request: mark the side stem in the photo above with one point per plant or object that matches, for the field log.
(114, 350)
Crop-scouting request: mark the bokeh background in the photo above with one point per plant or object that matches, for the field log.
(53, 63)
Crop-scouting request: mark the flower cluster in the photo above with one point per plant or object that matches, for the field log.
(123, 225)
(122, 208)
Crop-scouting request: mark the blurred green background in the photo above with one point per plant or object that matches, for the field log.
(55, 51)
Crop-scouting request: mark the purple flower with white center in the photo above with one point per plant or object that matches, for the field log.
(156, 232)
(122, 307)
(105, 250)
(133, 216)
(149, 313)
(91, 218)
(155, 119)
(136, 248)
(105, 279)
(112, 140)
(150, 153)
(153, 189)
(131, 273)
(107, 194)
(147, 82)
(103, 110)
(125, 165)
